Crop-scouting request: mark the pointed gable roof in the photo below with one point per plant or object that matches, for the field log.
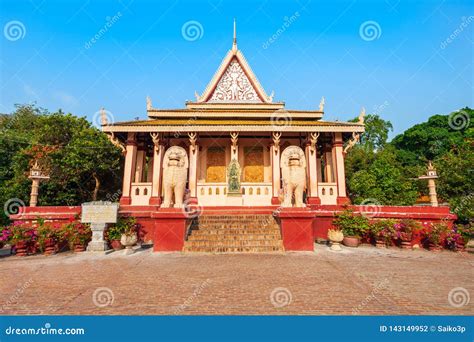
(234, 81)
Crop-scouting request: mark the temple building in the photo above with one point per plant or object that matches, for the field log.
(231, 141)
(235, 171)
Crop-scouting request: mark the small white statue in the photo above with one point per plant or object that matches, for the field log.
(175, 175)
(293, 170)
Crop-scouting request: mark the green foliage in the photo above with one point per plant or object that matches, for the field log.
(124, 225)
(387, 172)
(383, 229)
(83, 165)
(350, 224)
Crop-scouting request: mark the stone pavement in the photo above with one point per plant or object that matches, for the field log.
(365, 281)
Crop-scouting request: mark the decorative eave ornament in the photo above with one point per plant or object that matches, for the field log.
(149, 105)
(116, 142)
(351, 143)
(103, 117)
(361, 116)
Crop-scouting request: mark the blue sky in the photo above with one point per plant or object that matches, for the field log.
(401, 67)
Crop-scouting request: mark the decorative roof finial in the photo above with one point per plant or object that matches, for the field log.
(361, 116)
(149, 105)
(321, 104)
(103, 117)
(234, 44)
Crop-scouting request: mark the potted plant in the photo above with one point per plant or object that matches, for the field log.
(382, 231)
(434, 237)
(335, 236)
(405, 230)
(114, 234)
(454, 240)
(129, 236)
(47, 237)
(22, 237)
(352, 226)
(5, 234)
(77, 235)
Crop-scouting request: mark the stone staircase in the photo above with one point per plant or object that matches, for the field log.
(234, 234)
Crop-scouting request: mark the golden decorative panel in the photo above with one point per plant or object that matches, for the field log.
(216, 168)
(253, 164)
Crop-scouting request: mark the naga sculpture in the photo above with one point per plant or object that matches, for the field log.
(175, 175)
(293, 170)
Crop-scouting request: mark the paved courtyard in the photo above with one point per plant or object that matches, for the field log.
(361, 281)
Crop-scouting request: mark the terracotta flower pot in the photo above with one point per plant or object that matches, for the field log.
(116, 245)
(405, 244)
(21, 248)
(79, 248)
(434, 248)
(49, 246)
(380, 243)
(351, 241)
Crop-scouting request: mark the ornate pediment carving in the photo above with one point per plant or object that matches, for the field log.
(234, 85)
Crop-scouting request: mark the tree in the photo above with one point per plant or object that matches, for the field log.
(82, 163)
(376, 132)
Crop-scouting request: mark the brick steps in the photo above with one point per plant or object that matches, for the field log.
(234, 234)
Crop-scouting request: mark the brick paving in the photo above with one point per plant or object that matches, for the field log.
(361, 281)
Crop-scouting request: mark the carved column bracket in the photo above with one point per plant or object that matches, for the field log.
(276, 141)
(116, 142)
(313, 139)
(156, 138)
(355, 139)
(234, 137)
(192, 140)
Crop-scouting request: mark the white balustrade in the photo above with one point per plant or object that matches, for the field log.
(141, 193)
(253, 194)
(327, 192)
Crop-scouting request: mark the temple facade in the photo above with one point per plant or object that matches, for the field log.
(227, 148)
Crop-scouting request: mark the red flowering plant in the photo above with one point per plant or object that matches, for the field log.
(436, 234)
(383, 230)
(454, 240)
(5, 235)
(406, 228)
(76, 234)
(48, 234)
(22, 233)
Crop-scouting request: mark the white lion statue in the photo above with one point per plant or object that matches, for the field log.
(293, 171)
(175, 175)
